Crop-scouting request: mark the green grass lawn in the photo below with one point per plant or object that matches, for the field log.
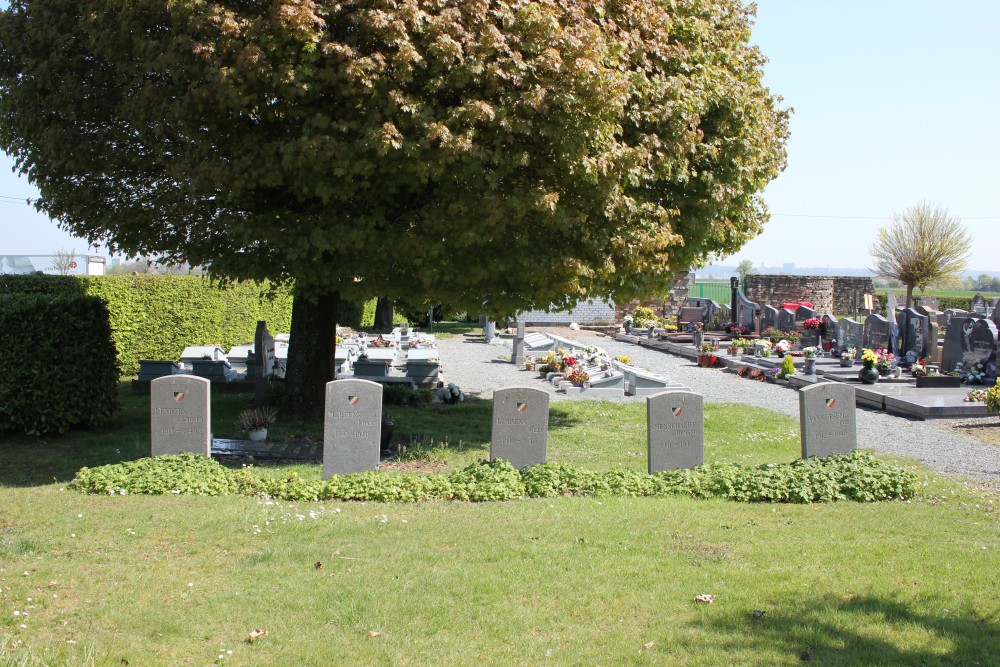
(592, 580)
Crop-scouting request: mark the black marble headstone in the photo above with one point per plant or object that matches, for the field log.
(850, 334)
(913, 333)
(785, 320)
(877, 333)
(747, 310)
(803, 313)
(769, 318)
(979, 344)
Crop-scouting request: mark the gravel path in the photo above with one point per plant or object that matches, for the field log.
(479, 369)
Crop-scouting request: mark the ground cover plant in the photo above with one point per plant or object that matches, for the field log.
(594, 579)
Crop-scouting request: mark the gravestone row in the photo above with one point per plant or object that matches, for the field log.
(180, 417)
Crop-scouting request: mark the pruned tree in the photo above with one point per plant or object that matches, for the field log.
(413, 150)
(921, 246)
(64, 261)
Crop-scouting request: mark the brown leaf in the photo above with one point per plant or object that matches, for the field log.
(256, 634)
(374, 633)
(318, 565)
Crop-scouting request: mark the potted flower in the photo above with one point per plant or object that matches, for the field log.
(868, 374)
(697, 334)
(624, 358)
(627, 323)
(529, 363)
(738, 345)
(811, 323)
(884, 362)
(576, 377)
(930, 377)
(255, 422)
(809, 356)
(762, 348)
(847, 357)
(975, 375)
(706, 355)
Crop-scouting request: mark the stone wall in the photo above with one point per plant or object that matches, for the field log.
(662, 307)
(836, 295)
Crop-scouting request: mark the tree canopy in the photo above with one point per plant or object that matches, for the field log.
(496, 155)
(922, 245)
(398, 148)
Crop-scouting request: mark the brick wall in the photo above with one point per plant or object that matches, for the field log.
(837, 295)
(592, 311)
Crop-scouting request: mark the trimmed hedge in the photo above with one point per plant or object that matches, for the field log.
(944, 302)
(156, 317)
(858, 477)
(59, 363)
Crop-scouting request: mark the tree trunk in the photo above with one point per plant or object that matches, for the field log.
(909, 297)
(311, 354)
(383, 314)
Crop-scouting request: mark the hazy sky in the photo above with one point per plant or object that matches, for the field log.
(895, 102)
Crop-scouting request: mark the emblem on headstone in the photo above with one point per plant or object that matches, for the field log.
(178, 396)
(677, 412)
(830, 402)
(522, 407)
(353, 400)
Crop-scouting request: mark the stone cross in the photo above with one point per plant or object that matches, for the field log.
(180, 415)
(517, 356)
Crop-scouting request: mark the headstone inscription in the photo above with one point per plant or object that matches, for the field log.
(876, 334)
(180, 414)
(517, 356)
(850, 334)
(786, 320)
(675, 424)
(827, 419)
(979, 344)
(352, 426)
(769, 318)
(520, 426)
(913, 334)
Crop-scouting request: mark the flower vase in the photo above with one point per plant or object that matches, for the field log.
(847, 363)
(868, 375)
(809, 366)
(258, 434)
(883, 373)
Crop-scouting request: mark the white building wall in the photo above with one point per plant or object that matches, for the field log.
(592, 311)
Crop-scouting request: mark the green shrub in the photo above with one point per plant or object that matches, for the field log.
(787, 367)
(858, 476)
(641, 314)
(401, 394)
(60, 369)
(156, 317)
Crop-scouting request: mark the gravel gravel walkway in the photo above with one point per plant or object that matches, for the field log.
(479, 369)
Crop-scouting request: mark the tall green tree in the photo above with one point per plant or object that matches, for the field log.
(495, 155)
(921, 246)
(744, 269)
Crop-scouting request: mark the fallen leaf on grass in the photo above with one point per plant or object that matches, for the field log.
(709, 599)
(256, 634)
(318, 565)
(374, 633)
(649, 645)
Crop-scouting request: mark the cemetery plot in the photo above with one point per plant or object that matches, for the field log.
(827, 419)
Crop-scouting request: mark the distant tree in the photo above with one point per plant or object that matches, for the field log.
(986, 283)
(921, 246)
(64, 261)
(744, 269)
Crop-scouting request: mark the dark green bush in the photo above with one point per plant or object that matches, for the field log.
(59, 364)
(156, 317)
(859, 477)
